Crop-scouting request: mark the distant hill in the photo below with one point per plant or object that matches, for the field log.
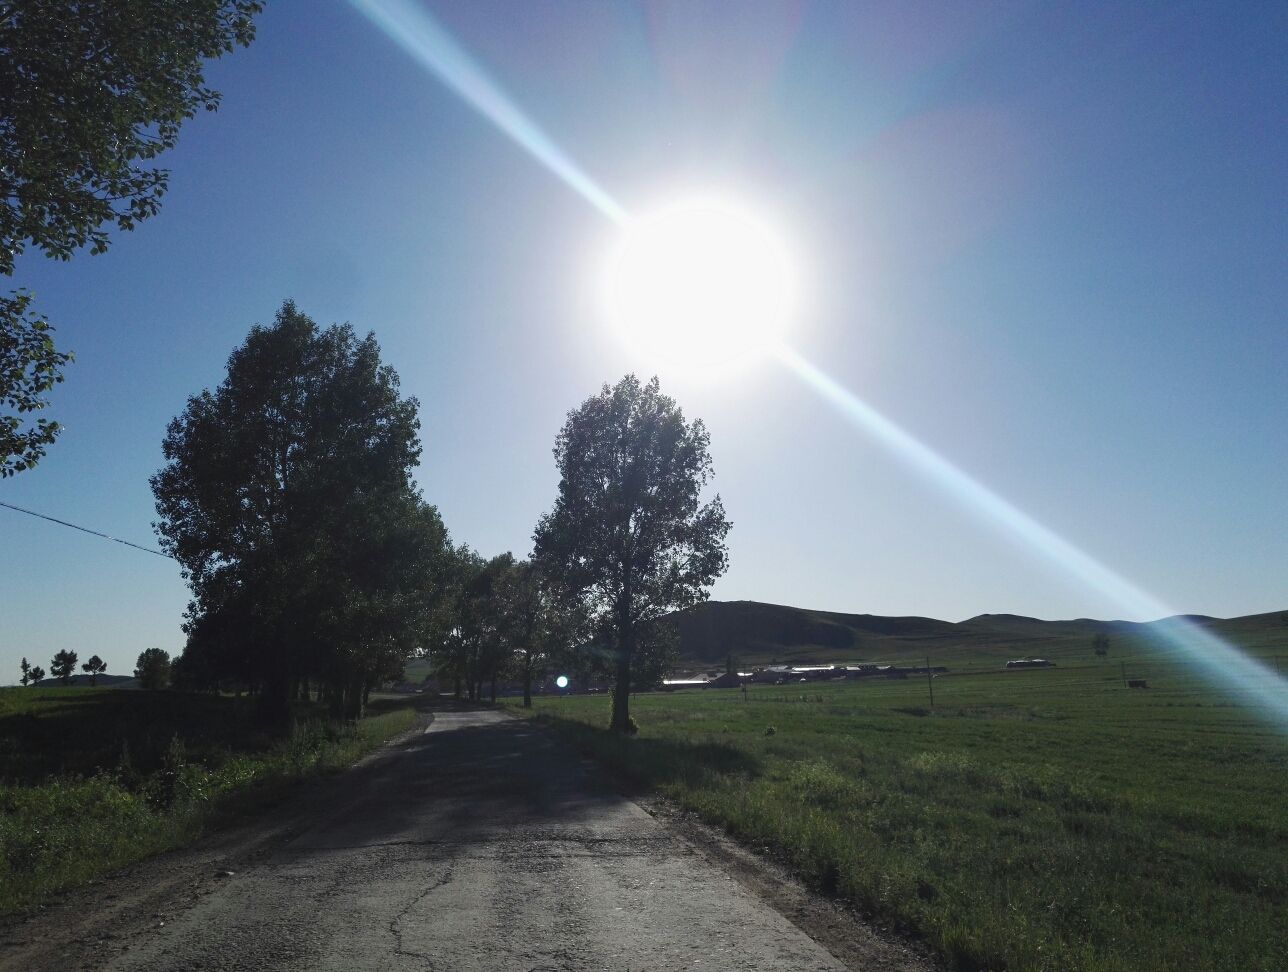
(115, 681)
(758, 633)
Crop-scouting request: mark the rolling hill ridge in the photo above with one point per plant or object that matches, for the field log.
(757, 633)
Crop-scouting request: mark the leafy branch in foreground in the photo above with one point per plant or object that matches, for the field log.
(30, 366)
(89, 93)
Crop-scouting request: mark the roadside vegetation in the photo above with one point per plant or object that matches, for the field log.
(1032, 820)
(94, 779)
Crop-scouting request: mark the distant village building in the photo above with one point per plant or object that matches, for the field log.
(1030, 663)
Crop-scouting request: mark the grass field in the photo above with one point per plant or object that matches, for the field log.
(93, 779)
(1042, 819)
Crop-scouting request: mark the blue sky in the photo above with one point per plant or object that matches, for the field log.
(1048, 240)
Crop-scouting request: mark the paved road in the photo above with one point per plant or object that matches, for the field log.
(481, 844)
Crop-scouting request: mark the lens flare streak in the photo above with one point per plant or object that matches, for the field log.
(1221, 662)
(417, 32)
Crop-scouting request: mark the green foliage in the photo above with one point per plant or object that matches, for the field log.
(89, 95)
(25, 668)
(94, 779)
(29, 368)
(37, 673)
(629, 536)
(1043, 820)
(287, 497)
(63, 665)
(153, 668)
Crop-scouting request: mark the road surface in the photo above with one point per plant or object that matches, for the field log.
(481, 843)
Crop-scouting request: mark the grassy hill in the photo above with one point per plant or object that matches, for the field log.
(756, 633)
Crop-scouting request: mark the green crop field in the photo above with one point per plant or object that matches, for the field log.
(93, 779)
(1042, 819)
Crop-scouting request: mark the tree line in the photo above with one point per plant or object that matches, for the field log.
(317, 567)
(152, 668)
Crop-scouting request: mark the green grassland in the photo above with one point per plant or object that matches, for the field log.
(1032, 820)
(94, 779)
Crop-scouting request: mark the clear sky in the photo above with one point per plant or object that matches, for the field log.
(1049, 240)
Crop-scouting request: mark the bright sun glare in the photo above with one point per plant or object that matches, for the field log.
(700, 283)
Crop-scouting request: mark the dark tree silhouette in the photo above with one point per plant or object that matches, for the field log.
(539, 623)
(629, 533)
(63, 666)
(287, 498)
(25, 668)
(95, 667)
(1100, 644)
(153, 668)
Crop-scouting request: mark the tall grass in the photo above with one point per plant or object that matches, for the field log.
(1044, 820)
(67, 829)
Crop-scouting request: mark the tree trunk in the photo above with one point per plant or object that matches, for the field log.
(494, 688)
(527, 688)
(622, 689)
(456, 692)
(276, 700)
(355, 698)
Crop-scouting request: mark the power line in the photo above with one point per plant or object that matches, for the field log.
(53, 519)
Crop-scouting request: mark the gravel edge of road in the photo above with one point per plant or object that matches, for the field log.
(852, 937)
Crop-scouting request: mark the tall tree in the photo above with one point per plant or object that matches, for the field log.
(25, 668)
(63, 666)
(481, 625)
(95, 667)
(287, 497)
(452, 653)
(539, 623)
(91, 93)
(37, 673)
(629, 532)
(153, 668)
(381, 586)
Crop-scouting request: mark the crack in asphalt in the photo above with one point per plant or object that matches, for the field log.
(395, 923)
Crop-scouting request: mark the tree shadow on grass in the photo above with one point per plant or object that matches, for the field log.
(644, 761)
(79, 731)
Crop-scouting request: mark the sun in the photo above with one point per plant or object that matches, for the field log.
(700, 283)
